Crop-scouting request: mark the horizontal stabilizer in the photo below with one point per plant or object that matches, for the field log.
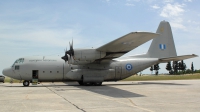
(177, 58)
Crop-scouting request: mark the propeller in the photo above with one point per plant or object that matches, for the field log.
(65, 57)
(69, 55)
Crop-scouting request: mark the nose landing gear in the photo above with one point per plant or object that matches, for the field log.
(26, 83)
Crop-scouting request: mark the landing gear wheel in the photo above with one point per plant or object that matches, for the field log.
(26, 83)
(87, 83)
(81, 83)
(98, 83)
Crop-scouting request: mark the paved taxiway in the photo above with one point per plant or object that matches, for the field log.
(128, 96)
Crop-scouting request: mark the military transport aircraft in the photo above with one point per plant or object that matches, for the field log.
(93, 66)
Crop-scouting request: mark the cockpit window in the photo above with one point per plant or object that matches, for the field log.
(20, 60)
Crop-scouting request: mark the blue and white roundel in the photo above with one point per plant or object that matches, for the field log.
(129, 67)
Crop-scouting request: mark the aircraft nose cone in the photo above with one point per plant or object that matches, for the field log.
(3, 72)
(7, 72)
(10, 73)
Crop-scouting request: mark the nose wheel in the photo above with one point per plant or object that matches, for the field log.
(26, 83)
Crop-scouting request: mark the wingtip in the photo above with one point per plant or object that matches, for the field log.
(195, 55)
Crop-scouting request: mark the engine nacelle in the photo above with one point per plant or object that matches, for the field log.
(82, 56)
(88, 55)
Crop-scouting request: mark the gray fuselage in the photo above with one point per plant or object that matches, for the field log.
(55, 69)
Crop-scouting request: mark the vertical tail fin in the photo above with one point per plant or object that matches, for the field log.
(163, 45)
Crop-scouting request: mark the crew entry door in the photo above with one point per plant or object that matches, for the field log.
(35, 77)
(118, 72)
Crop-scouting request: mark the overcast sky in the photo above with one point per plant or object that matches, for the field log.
(45, 27)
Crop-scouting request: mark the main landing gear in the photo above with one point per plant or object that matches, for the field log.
(26, 83)
(89, 83)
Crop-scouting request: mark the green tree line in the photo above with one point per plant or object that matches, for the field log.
(176, 68)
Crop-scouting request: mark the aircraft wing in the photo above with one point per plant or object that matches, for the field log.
(177, 58)
(126, 43)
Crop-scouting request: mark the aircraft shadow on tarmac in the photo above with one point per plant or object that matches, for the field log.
(107, 90)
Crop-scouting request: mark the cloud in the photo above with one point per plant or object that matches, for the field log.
(155, 7)
(187, 0)
(193, 27)
(177, 25)
(172, 10)
(129, 4)
(193, 22)
(133, 0)
(43, 37)
(14, 34)
(168, 1)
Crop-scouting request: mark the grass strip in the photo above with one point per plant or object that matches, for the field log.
(162, 77)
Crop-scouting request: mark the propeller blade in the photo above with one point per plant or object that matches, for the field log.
(72, 49)
(69, 55)
(64, 58)
(72, 43)
(72, 59)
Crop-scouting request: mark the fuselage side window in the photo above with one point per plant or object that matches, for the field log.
(17, 67)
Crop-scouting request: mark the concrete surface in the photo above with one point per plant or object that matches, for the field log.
(128, 96)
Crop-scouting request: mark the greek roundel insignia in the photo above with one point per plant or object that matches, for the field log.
(129, 67)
